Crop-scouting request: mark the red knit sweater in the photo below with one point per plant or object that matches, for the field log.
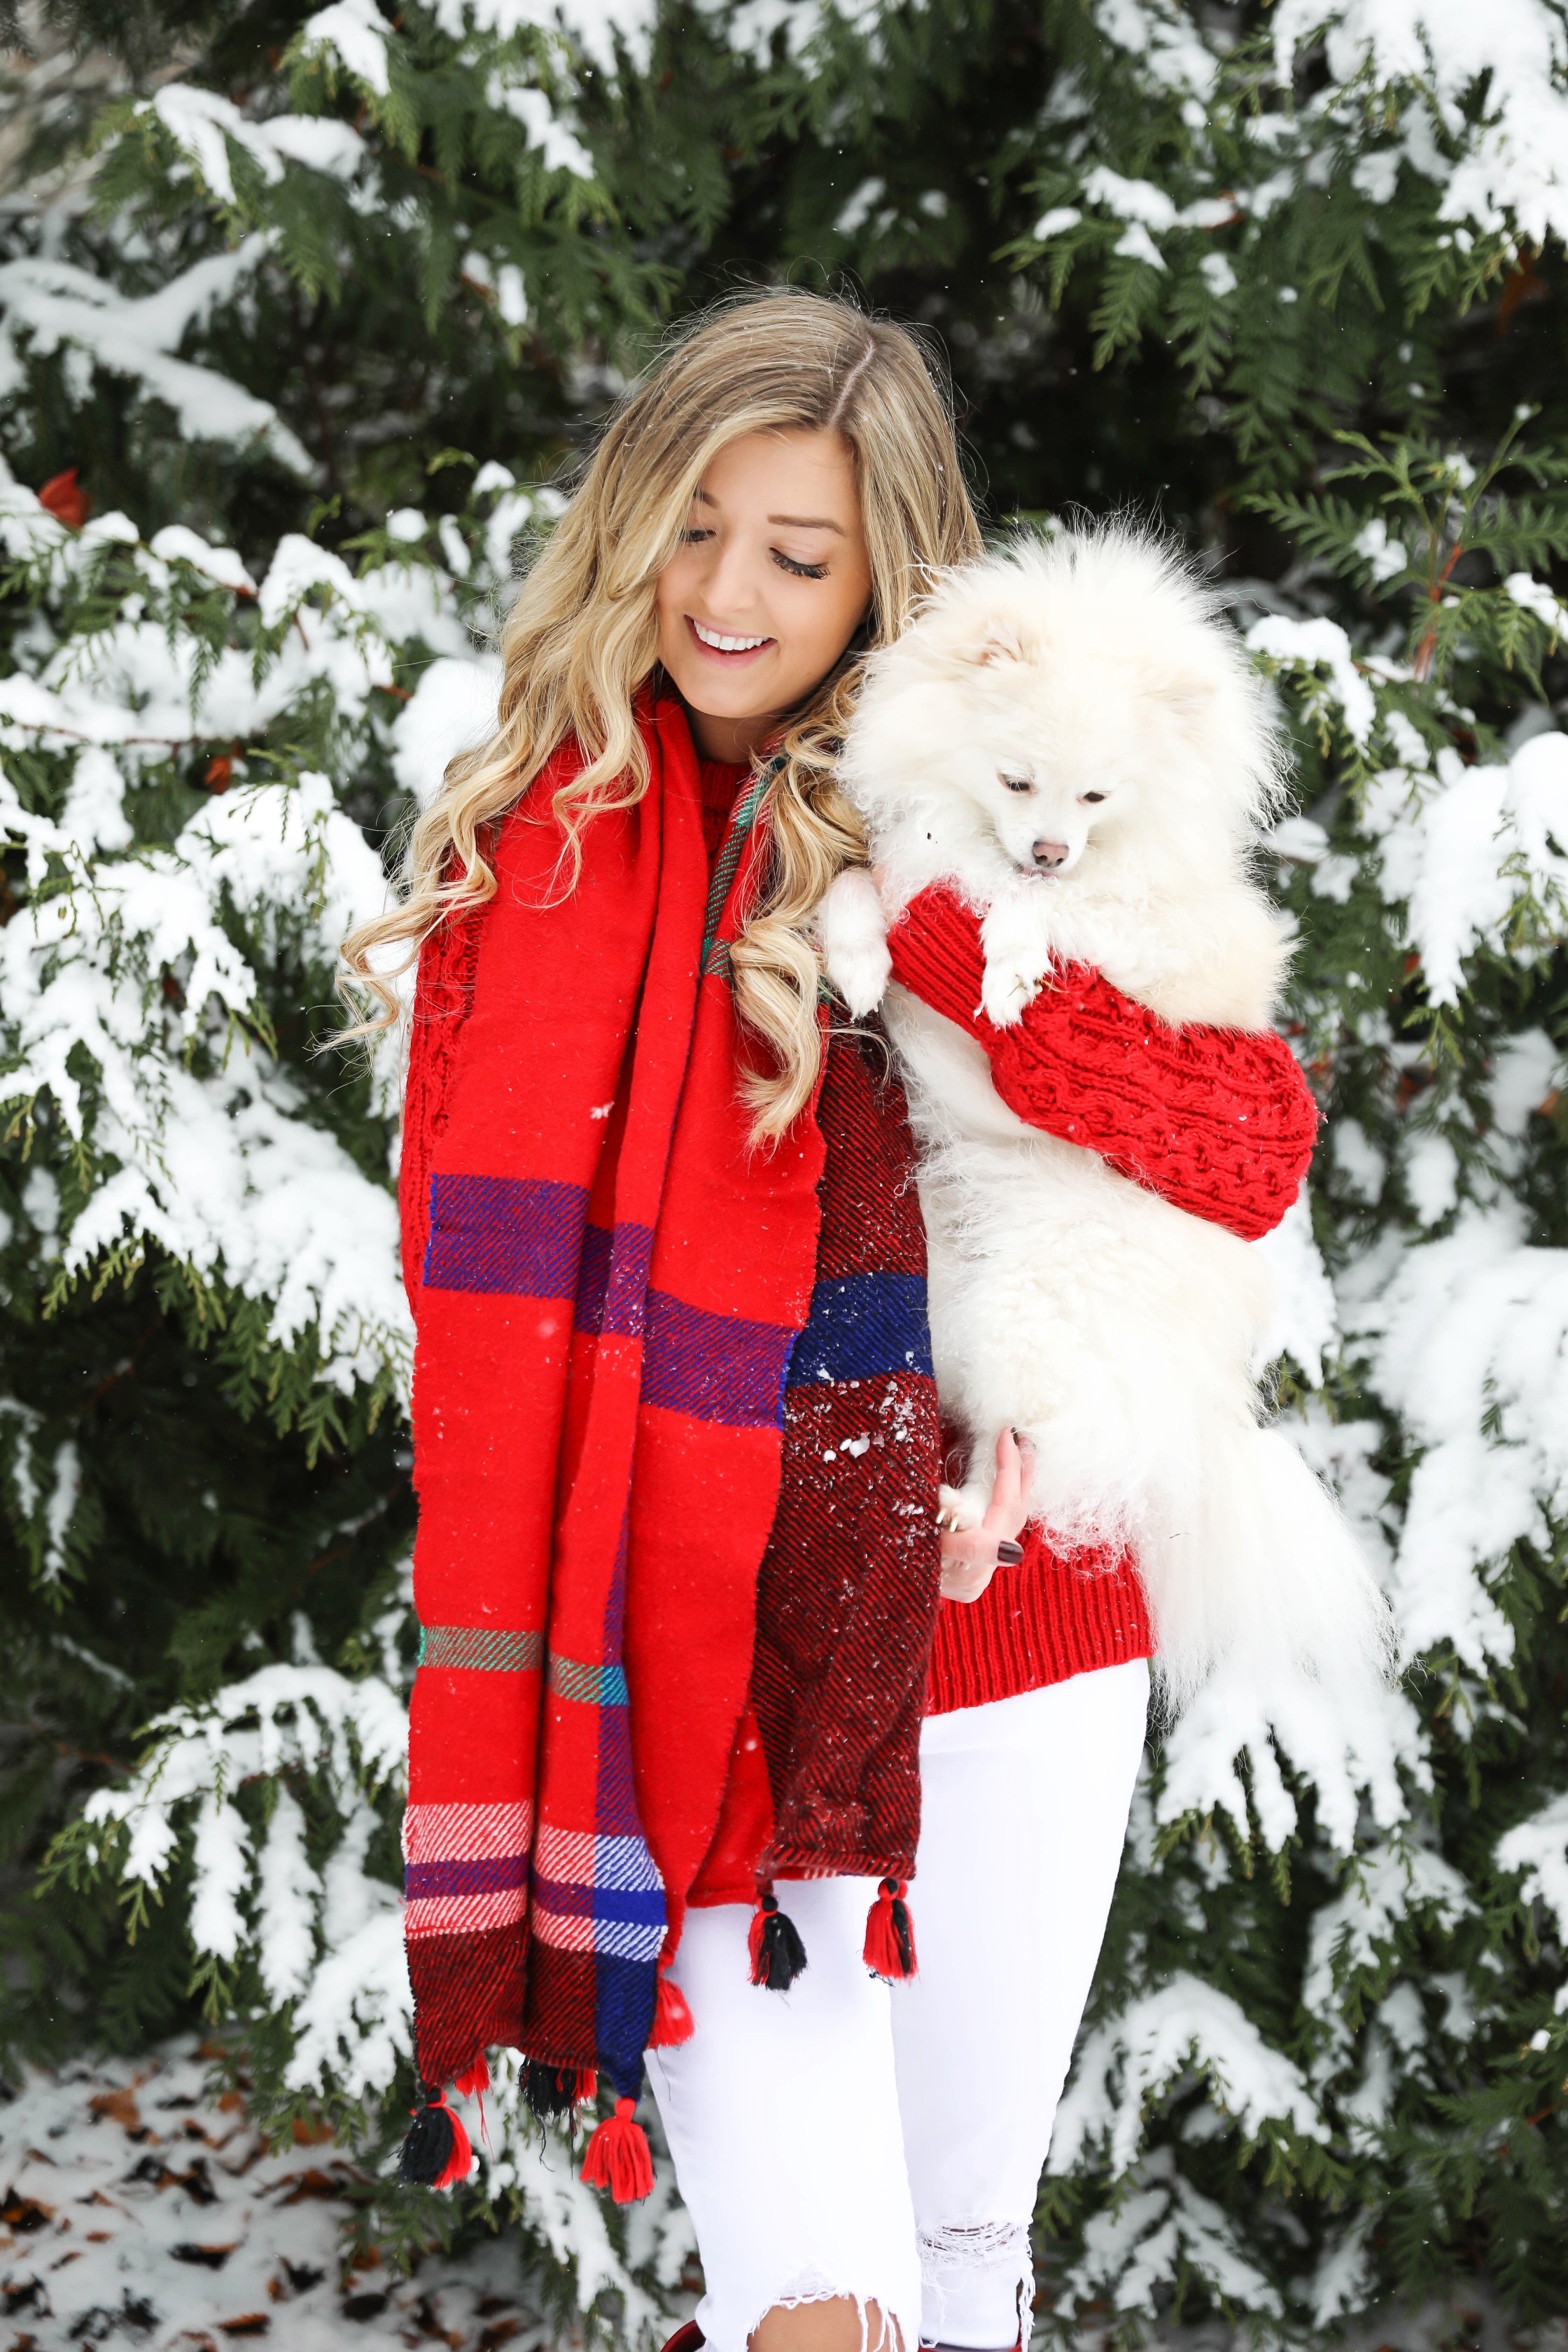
(1218, 1121)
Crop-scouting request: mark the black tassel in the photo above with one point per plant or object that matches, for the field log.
(550, 2091)
(431, 2146)
(904, 1936)
(778, 1956)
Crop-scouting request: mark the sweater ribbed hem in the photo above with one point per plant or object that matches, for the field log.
(1038, 1623)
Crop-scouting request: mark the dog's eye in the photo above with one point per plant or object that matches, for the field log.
(1092, 797)
(1019, 784)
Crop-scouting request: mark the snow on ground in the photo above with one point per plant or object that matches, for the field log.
(137, 2212)
(134, 2211)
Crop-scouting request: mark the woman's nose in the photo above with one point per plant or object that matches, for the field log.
(1048, 854)
(731, 588)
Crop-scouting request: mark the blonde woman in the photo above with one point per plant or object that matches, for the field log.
(702, 1686)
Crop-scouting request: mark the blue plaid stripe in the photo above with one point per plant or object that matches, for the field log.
(475, 1874)
(622, 1906)
(613, 1283)
(503, 1233)
(637, 1936)
(597, 1894)
(861, 1327)
(714, 1367)
(588, 1686)
(625, 1993)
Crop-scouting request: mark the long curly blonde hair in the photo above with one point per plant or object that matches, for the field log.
(582, 637)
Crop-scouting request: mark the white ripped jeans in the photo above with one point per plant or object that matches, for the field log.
(884, 2142)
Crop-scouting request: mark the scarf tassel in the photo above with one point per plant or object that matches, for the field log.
(778, 1956)
(472, 2084)
(673, 2022)
(550, 2092)
(890, 1933)
(618, 2157)
(438, 2152)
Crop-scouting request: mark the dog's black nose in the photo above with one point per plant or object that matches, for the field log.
(1048, 854)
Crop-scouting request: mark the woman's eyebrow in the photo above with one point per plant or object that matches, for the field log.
(794, 522)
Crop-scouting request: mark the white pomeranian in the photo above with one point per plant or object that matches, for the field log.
(1069, 738)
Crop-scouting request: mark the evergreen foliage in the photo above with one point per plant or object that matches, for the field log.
(344, 291)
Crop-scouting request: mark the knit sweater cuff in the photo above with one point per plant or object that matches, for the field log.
(1038, 1624)
(937, 956)
(1219, 1122)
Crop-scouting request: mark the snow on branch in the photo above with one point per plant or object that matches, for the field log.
(1469, 847)
(329, 1939)
(1137, 2251)
(355, 32)
(1469, 1341)
(1539, 1848)
(352, 1734)
(136, 977)
(1184, 2029)
(57, 305)
(203, 124)
(1506, 176)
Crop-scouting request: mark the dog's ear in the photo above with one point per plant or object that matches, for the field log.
(1000, 641)
(1187, 695)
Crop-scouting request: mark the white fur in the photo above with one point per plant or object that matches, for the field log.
(1119, 1332)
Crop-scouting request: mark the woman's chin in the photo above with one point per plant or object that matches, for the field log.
(728, 693)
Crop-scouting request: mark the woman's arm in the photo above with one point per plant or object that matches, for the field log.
(1220, 1121)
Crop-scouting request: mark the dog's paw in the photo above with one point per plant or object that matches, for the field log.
(853, 931)
(1016, 937)
(1006, 989)
(860, 973)
(960, 1508)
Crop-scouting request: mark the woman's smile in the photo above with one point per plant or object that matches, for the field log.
(726, 646)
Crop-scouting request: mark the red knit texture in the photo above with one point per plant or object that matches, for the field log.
(1220, 1121)
(1038, 1623)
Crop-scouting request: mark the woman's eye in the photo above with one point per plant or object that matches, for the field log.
(799, 571)
(695, 536)
(1091, 797)
(1019, 784)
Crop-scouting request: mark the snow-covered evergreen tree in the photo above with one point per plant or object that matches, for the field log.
(293, 356)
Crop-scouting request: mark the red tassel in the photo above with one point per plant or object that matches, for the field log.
(472, 2084)
(672, 2019)
(617, 2158)
(461, 2161)
(587, 2089)
(889, 1933)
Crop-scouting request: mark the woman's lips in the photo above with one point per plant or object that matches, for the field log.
(730, 654)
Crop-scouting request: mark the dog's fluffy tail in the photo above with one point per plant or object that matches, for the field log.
(1270, 1582)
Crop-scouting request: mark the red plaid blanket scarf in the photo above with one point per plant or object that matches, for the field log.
(616, 1298)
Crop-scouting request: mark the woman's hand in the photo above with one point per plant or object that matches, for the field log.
(970, 1556)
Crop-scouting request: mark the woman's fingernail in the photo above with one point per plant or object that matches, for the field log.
(1009, 1554)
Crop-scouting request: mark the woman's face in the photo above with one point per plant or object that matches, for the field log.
(770, 583)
